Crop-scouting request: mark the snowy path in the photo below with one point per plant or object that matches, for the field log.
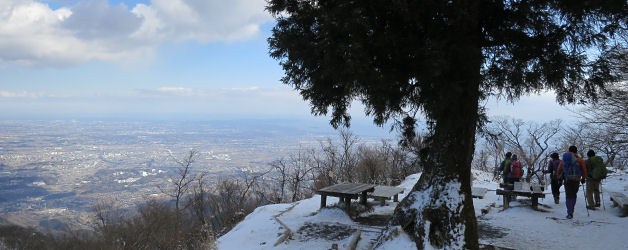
(519, 227)
(525, 228)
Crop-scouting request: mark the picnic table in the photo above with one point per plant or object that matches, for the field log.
(521, 189)
(346, 192)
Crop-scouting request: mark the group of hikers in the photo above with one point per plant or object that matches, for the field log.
(571, 171)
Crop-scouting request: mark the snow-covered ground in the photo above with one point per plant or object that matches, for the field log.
(518, 227)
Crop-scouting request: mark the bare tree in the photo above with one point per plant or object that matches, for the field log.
(108, 216)
(481, 159)
(605, 123)
(326, 173)
(335, 162)
(198, 199)
(494, 146)
(299, 171)
(528, 140)
(180, 185)
(281, 167)
(347, 160)
(397, 162)
(372, 165)
(249, 183)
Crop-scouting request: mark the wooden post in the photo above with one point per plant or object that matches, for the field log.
(506, 201)
(363, 198)
(323, 200)
(535, 201)
(347, 203)
(396, 198)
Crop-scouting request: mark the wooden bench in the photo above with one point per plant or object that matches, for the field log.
(620, 201)
(533, 187)
(383, 193)
(346, 192)
(510, 194)
(478, 192)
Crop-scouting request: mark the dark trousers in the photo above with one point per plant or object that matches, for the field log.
(571, 193)
(511, 180)
(556, 183)
(593, 192)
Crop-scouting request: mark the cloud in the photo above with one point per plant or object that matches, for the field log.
(92, 20)
(208, 93)
(33, 34)
(24, 94)
(201, 20)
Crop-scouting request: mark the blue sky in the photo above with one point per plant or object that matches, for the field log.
(156, 59)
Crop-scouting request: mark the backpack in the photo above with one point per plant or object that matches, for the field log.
(599, 169)
(505, 166)
(517, 170)
(554, 168)
(571, 168)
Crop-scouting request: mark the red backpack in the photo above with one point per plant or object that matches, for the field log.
(517, 170)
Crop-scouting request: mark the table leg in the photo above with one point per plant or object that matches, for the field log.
(323, 200)
(535, 202)
(506, 201)
(347, 203)
(396, 198)
(363, 198)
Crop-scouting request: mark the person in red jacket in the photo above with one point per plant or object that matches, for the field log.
(516, 170)
(574, 170)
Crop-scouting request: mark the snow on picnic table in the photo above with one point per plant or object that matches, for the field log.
(519, 227)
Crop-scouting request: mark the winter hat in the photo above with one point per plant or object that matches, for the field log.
(573, 149)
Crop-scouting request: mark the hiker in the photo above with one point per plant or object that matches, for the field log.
(556, 181)
(504, 167)
(574, 171)
(594, 165)
(516, 171)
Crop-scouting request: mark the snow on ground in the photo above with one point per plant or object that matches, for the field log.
(519, 227)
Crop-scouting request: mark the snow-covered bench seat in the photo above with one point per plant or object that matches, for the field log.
(478, 192)
(383, 193)
(620, 201)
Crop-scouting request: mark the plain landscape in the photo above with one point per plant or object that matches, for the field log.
(53, 172)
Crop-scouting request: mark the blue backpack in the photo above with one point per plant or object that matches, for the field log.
(571, 168)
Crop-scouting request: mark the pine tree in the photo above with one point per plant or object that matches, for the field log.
(439, 58)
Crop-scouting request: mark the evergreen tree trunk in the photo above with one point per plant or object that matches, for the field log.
(439, 212)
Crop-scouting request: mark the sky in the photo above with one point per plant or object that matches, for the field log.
(157, 59)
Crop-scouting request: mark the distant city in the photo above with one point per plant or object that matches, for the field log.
(52, 172)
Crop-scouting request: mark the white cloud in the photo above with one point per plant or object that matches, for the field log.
(177, 91)
(23, 94)
(201, 20)
(33, 34)
(249, 92)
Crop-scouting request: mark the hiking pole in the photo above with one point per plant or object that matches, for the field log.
(601, 192)
(586, 202)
